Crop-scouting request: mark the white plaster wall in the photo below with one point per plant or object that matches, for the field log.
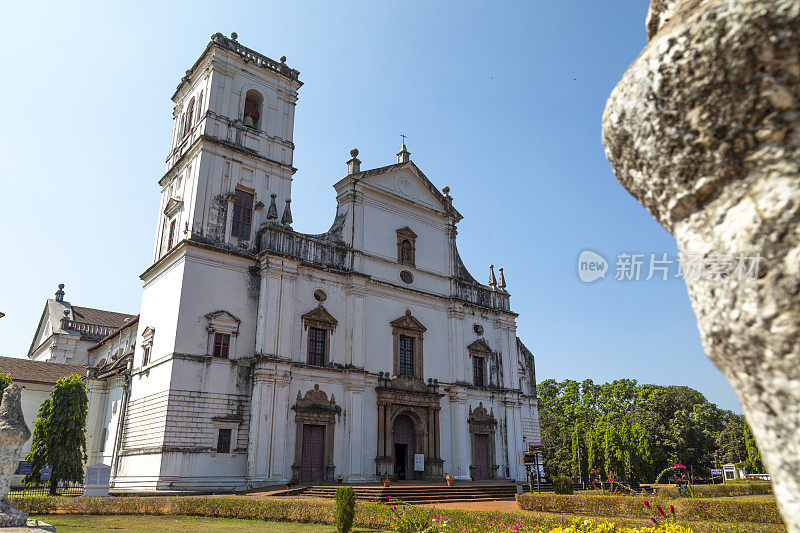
(215, 281)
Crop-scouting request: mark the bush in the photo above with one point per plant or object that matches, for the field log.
(729, 488)
(723, 510)
(368, 515)
(562, 485)
(345, 509)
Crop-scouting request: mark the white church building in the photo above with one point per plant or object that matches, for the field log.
(263, 355)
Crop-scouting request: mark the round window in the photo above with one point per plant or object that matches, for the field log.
(478, 329)
(320, 296)
(406, 276)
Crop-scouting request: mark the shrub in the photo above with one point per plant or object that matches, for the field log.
(345, 509)
(562, 485)
(729, 488)
(723, 510)
(372, 516)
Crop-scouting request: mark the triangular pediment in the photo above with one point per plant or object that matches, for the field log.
(222, 316)
(408, 182)
(479, 346)
(407, 321)
(173, 205)
(320, 315)
(406, 232)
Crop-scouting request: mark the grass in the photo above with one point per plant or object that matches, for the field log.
(174, 524)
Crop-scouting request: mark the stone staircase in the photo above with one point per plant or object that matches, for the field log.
(423, 494)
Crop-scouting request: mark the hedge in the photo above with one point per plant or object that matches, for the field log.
(370, 515)
(729, 488)
(686, 509)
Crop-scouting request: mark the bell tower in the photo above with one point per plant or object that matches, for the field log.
(231, 149)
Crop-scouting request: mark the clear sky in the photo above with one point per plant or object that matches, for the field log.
(502, 102)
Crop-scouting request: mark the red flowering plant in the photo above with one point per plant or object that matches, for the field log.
(658, 516)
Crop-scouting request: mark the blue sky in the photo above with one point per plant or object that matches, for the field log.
(501, 102)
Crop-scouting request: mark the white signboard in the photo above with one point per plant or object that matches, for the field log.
(97, 480)
(419, 462)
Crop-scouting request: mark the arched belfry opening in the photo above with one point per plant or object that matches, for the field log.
(253, 103)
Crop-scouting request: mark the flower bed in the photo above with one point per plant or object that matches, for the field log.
(687, 509)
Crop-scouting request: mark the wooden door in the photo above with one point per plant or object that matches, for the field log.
(403, 434)
(311, 467)
(481, 456)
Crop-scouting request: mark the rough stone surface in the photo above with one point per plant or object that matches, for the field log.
(703, 131)
(13, 434)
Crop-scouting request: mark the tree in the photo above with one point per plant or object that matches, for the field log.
(594, 455)
(59, 437)
(753, 461)
(614, 465)
(580, 462)
(652, 426)
(5, 381)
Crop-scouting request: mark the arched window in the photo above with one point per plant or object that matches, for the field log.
(189, 117)
(252, 109)
(200, 106)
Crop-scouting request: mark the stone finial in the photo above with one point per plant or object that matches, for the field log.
(286, 219)
(60, 293)
(272, 210)
(403, 156)
(446, 191)
(234, 35)
(283, 59)
(492, 279)
(501, 282)
(353, 164)
(725, 120)
(13, 434)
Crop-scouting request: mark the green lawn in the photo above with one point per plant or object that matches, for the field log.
(173, 524)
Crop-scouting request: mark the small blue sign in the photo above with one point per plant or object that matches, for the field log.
(46, 471)
(716, 472)
(23, 468)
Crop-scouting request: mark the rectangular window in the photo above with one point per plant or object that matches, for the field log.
(406, 356)
(224, 440)
(146, 356)
(316, 346)
(242, 214)
(222, 342)
(477, 371)
(171, 234)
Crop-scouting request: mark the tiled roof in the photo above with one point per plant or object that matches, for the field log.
(99, 316)
(26, 370)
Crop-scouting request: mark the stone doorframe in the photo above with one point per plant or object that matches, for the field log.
(315, 408)
(418, 401)
(482, 422)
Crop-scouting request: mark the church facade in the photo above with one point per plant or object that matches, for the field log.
(264, 355)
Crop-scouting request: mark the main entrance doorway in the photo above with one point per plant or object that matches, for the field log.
(311, 467)
(403, 447)
(481, 456)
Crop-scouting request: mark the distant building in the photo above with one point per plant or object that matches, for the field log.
(66, 332)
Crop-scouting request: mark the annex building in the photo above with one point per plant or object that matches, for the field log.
(261, 354)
